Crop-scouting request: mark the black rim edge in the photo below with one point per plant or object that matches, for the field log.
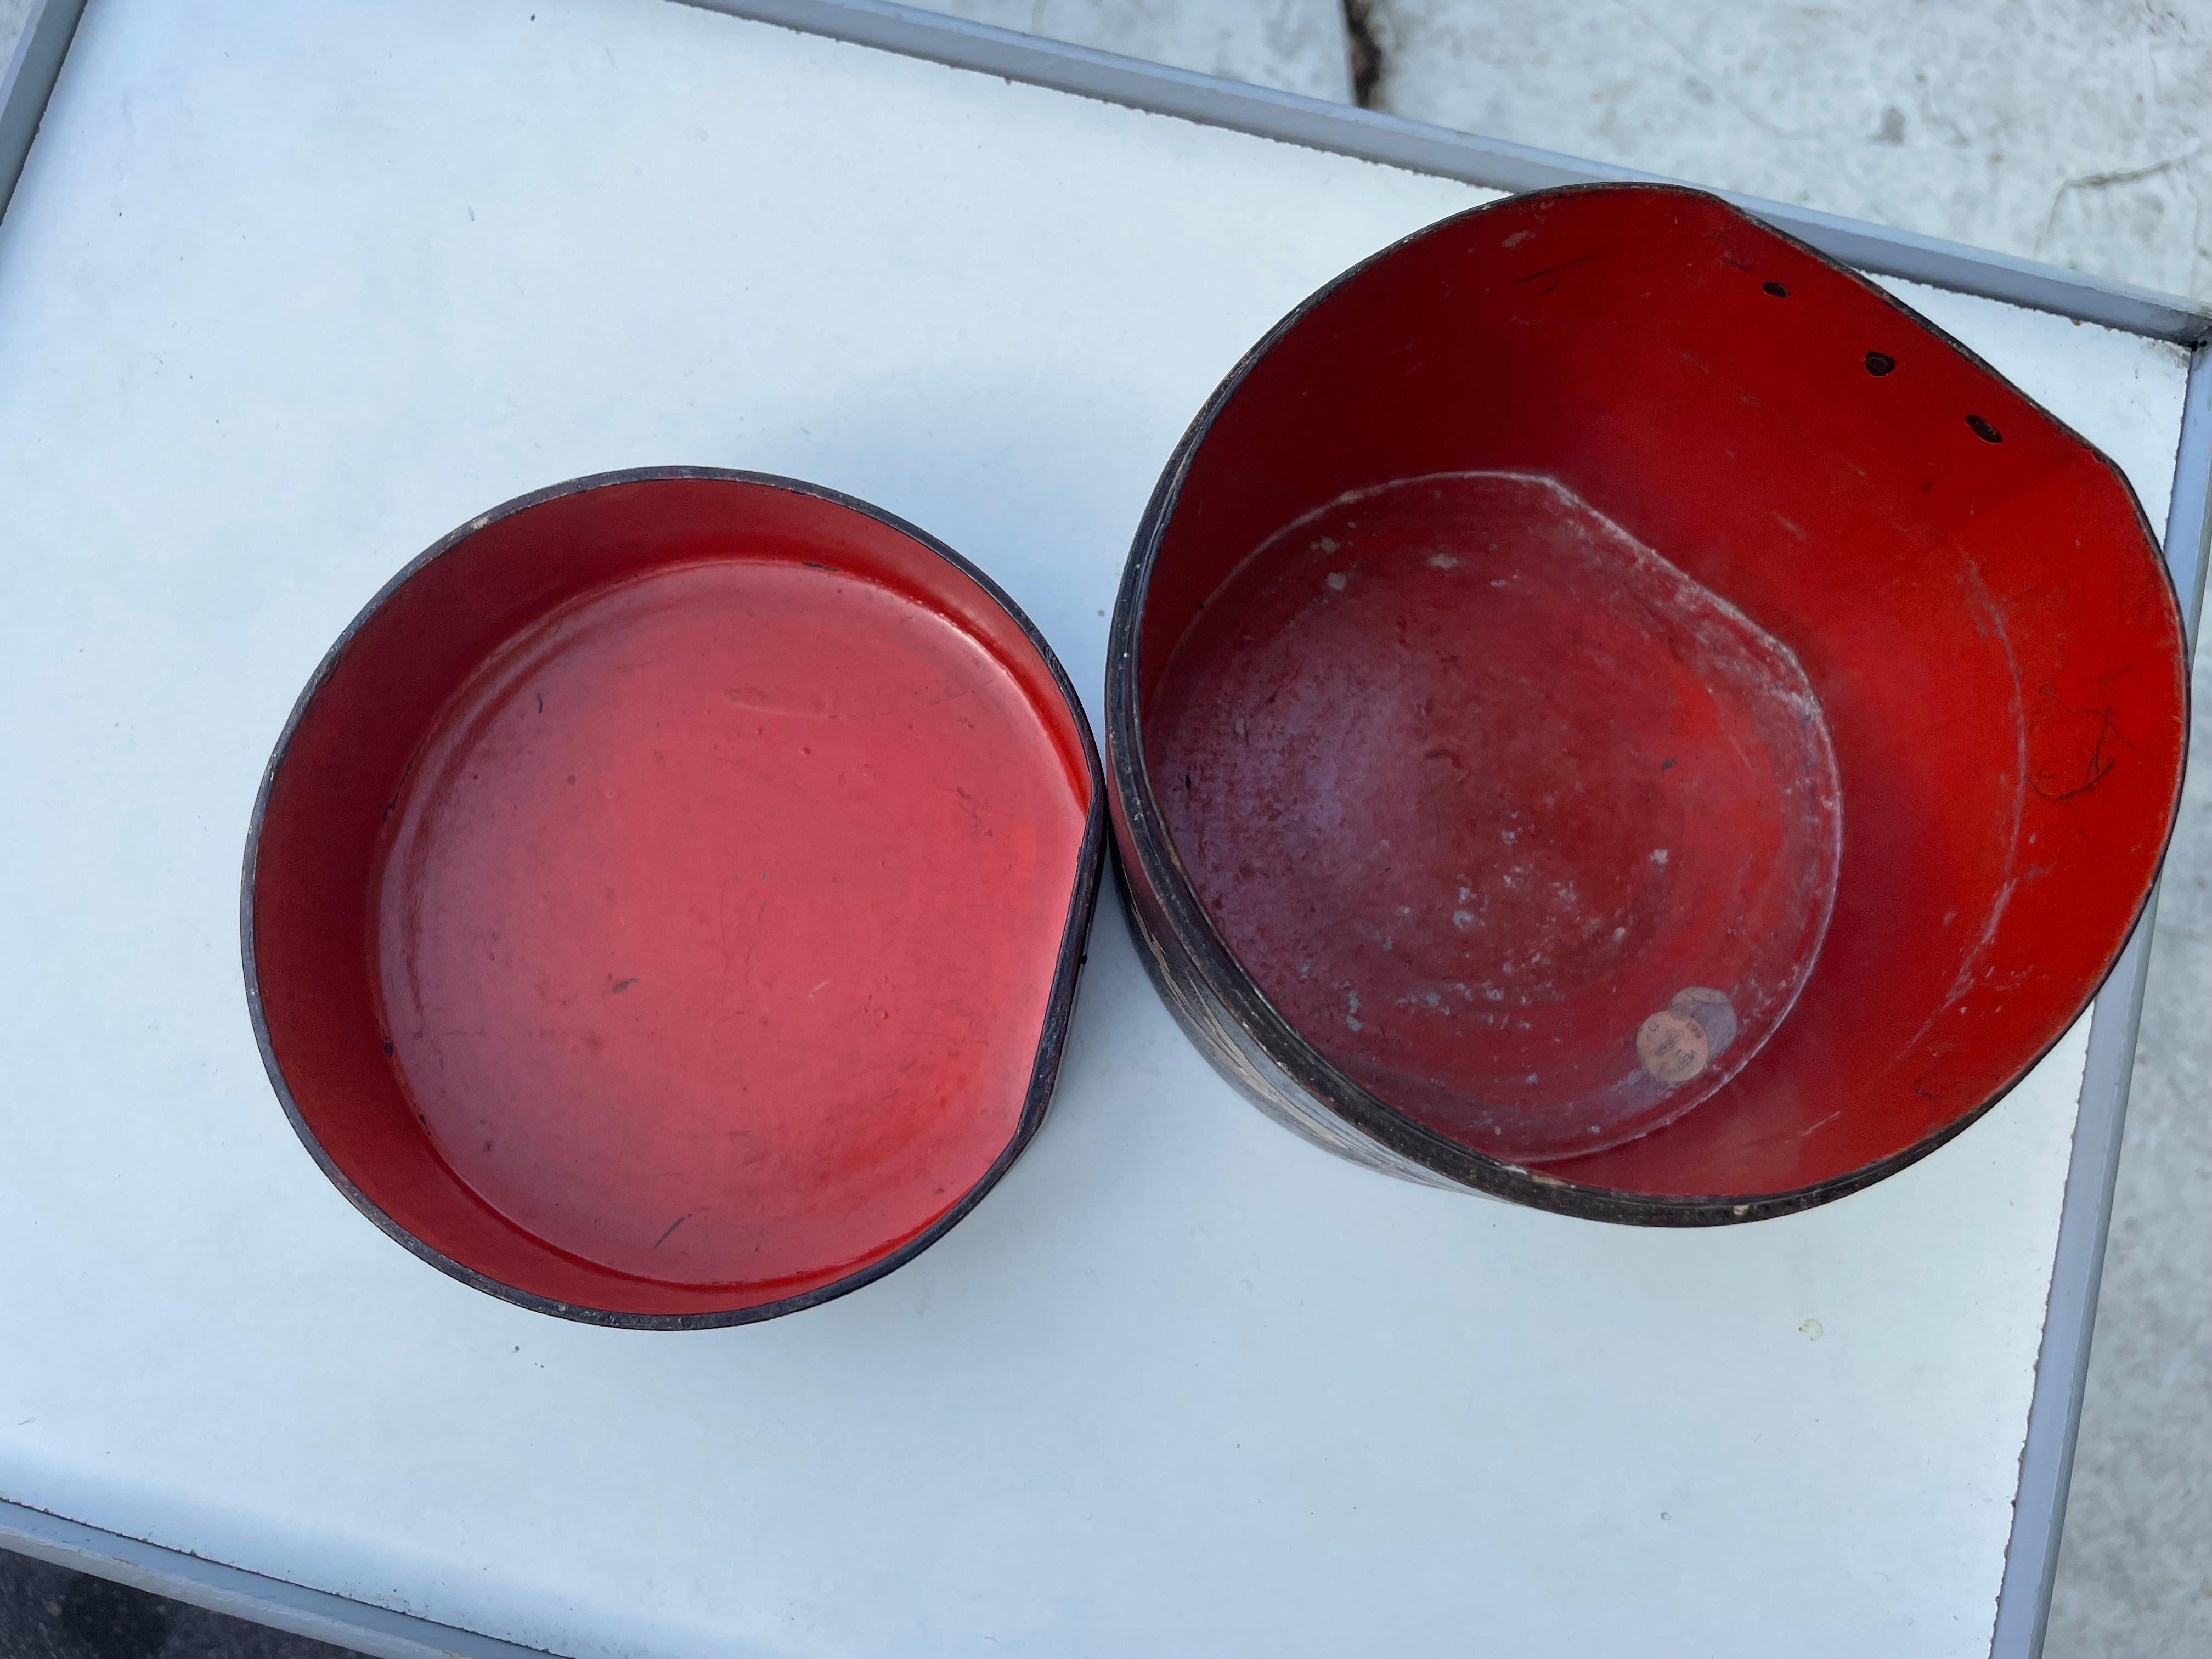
(1192, 933)
(1067, 968)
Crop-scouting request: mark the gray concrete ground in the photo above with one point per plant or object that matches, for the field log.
(2071, 130)
(2078, 132)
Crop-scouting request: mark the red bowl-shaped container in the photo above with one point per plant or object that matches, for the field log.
(665, 905)
(1608, 709)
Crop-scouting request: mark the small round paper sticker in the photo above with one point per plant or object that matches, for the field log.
(1673, 1047)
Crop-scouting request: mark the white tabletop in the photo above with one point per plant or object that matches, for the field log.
(288, 291)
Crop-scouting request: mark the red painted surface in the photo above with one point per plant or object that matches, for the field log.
(657, 907)
(1874, 536)
(1476, 786)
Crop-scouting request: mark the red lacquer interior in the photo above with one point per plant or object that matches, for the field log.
(1527, 833)
(1352, 686)
(655, 909)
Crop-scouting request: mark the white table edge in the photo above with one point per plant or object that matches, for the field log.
(364, 1626)
(2062, 1366)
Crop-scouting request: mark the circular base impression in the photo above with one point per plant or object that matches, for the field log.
(660, 899)
(1528, 834)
